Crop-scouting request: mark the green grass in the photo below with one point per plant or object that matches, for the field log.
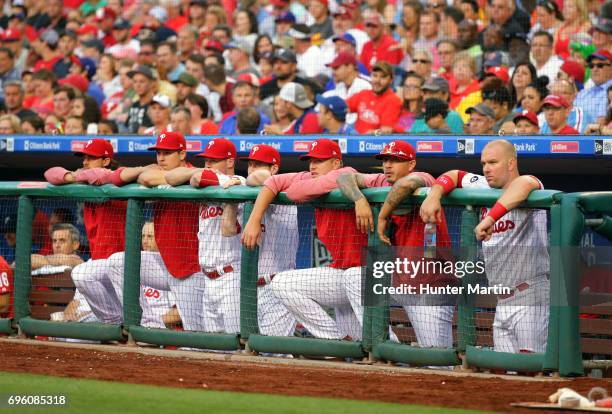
(92, 397)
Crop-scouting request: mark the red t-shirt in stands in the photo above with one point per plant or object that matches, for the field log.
(374, 111)
(567, 130)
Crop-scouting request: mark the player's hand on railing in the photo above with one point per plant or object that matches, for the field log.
(231, 182)
(382, 227)
(363, 216)
(431, 210)
(484, 229)
(251, 235)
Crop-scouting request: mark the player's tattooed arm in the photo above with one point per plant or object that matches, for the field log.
(350, 184)
(229, 220)
(402, 188)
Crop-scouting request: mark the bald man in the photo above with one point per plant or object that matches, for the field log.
(514, 245)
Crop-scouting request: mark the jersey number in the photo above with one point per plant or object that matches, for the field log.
(4, 282)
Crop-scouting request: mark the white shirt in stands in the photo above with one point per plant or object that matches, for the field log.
(215, 249)
(279, 242)
(518, 249)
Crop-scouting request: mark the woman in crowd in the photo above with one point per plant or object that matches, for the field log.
(408, 29)
(281, 120)
(200, 121)
(465, 92)
(107, 77)
(576, 21)
(524, 74)
(420, 63)
(86, 107)
(10, 124)
(412, 102)
(549, 17)
(44, 81)
(533, 96)
(245, 27)
(33, 125)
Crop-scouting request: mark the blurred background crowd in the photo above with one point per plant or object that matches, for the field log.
(306, 66)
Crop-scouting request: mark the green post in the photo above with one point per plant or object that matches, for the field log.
(466, 326)
(551, 357)
(366, 329)
(249, 266)
(572, 227)
(23, 272)
(379, 314)
(132, 312)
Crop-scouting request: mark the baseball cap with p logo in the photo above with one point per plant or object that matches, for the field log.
(219, 149)
(323, 149)
(170, 141)
(397, 149)
(97, 147)
(264, 153)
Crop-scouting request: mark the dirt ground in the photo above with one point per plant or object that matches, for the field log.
(493, 393)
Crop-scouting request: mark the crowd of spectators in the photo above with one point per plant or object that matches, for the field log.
(306, 66)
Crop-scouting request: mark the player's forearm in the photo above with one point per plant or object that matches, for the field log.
(257, 178)
(64, 260)
(350, 184)
(152, 178)
(38, 261)
(58, 176)
(129, 175)
(518, 191)
(178, 176)
(400, 190)
(229, 220)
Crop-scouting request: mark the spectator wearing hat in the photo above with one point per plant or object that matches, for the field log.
(123, 39)
(239, 58)
(549, 18)
(168, 61)
(45, 46)
(186, 42)
(13, 99)
(332, 116)
(542, 57)
(578, 118)
(429, 34)
(481, 120)
(435, 112)
(8, 72)
(497, 97)
(308, 55)
(220, 96)
(347, 19)
(285, 71)
(377, 109)
(284, 21)
(346, 43)
(105, 19)
(159, 113)
(321, 29)
(465, 91)
(437, 88)
(412, 101)
(185, 84)
(293, 96)
(601, 32)
(244, 96)
(144, 84)
(594, 101)
(13, 40)
(381, 47)
(526, 123)
(155, 22)
(556, 110)
(572, 71)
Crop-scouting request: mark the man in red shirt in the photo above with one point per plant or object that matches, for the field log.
(381, 47)
(377, 109)
(556, 109)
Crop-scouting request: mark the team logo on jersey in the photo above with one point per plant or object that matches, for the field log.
(208, 212)
(503, 225)
(152, 293)
(474, 179)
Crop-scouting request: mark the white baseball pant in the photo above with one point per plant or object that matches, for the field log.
(273, 318)
(521, 321)
(221, 302)
(188, 292)
(304, 292)
(433, 325)
(91, 279)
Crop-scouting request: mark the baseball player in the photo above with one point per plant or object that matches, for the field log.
(278, 245)
(219, 256)
(101, 223)
(514, 244)
(432, 324)
(306, 291)
(6, 289)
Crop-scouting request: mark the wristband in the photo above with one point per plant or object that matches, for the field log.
(446, 182)
(497, 211)
(208, 178)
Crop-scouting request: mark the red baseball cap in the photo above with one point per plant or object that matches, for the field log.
(76, 81)
(264, 153)
(105, 13)
(219, 149)
(397, 149)
(214, 45)
(251, 78)
(97, 147)
(343, 58)
(280, 3)
(10, 34)
(556, 101)
(528, 115)
(574, 69)
(88, 28)
(170, 140)
(323, 149)
(601, 54)
(500, 72)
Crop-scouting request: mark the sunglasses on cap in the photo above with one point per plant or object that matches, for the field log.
(598, 65)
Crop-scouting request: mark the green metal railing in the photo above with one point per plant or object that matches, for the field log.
(565, 218)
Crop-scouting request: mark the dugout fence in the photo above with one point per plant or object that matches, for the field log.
(471, 316)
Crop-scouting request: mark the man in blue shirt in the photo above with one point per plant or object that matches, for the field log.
(243, 96)
(594, 100)
(332, 116)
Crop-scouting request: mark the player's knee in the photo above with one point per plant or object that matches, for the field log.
(79, 274)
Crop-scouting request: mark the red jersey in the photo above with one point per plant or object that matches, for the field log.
(385, 50)
(337, 229)
(104, 225)
(567, 130)
(308, 123)
(374, 111)
(176, 233)
(6, 285)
